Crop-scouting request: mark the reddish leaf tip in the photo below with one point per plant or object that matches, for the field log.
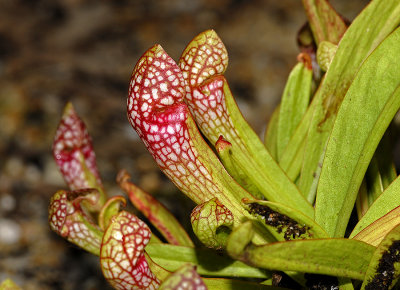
(305, 58)
(73, 151)
(222, 144)
(204, 57)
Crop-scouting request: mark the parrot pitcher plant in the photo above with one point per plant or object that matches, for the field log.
(314, 204)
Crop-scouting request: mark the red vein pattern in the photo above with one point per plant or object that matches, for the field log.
(73, 151)
(186, 278)
(208, 105)
(206, 218)
(122, 256)
(158, 114)
(202, 63)
(204, 57)
(68, 220)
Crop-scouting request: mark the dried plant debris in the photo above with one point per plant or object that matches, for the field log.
(386, 269)
(291, 229)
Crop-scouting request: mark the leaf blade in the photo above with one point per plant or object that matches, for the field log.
(369, 105)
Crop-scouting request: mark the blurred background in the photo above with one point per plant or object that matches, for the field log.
(83, 51)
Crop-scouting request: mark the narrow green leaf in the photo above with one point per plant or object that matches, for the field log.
(374, 233)
(292, 157)
(231, 284)
(295, 100)
(336, 257)
(271, 133)
(325, 22)
(239, 238)
(224, 150)
(208, 262)
(384, 268)
(369, 106)
(373, 24)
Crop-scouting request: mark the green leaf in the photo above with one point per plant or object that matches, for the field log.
(373, 24)
(295, 100)
(386, 202)
(231, 284)
(239, 238)
(325, 22)
(374, 233)
(271, 133)
(369, 106)
(208, 262)
(224, 150)
(292, 157)
(335, 257)
(384, 268)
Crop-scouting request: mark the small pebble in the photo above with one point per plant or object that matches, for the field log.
(7, 203)
(10, 232)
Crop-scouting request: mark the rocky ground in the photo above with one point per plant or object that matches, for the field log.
(83, 51)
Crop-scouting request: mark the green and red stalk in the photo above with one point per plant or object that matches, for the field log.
(122, 256)
(155, 212)
(156, 110)
(74, 154)
(216, 113)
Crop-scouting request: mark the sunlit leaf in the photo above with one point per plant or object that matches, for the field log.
(368, 107)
